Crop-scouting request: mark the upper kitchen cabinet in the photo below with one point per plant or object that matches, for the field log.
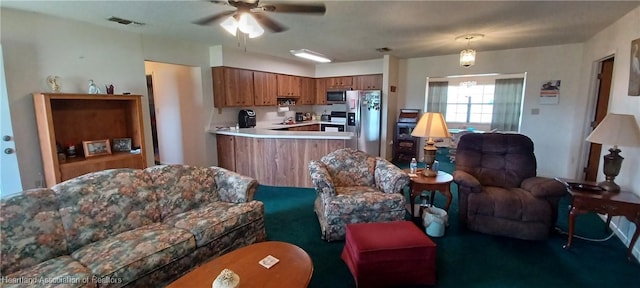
(232, 87)
(321, 91)
(265, 87)
(288, 86)
(307, 91)
(368, 82)
(344, 83)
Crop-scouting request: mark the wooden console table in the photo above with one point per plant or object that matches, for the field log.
(624, 203)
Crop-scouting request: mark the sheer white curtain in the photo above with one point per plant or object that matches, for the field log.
(507, 104)
(437, 97)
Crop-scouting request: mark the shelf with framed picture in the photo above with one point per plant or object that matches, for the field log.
(82, 133)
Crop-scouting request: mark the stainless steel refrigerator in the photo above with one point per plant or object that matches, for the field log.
(364, 120)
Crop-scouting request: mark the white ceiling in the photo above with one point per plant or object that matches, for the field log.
(352, 30)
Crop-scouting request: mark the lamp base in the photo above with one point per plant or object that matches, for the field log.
(609, 186)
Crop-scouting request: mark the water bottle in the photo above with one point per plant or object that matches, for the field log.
(413, 167)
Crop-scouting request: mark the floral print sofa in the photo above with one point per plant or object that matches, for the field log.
(126, 227)
(353, 187)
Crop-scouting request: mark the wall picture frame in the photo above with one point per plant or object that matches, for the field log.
(121, 145)
(96, 148)
(634, 69)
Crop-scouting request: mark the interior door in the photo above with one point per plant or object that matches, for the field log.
(602, 106)
(9, 174)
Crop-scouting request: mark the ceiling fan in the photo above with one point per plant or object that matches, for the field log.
(251, 14)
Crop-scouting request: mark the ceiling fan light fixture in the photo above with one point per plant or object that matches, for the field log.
(230, 25)
(310, 55)
(248, 25)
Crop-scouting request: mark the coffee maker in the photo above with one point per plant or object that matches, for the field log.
(246, 118)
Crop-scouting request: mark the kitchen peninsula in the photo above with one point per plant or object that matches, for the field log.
(276, 157)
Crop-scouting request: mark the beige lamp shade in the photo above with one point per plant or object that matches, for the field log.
(617, 130)
(431, 125)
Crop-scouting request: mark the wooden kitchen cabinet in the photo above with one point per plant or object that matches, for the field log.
(345, 83)
(226, 152)
(288, 86)
(265, 88)
(232, 87)
(68, 119)
(321, 92)
(368, 82)
(307, 91)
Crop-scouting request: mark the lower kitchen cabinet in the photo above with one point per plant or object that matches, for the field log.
(226, 152)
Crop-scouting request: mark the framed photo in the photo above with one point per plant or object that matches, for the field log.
(634, 72)
(96, 148)
(121, 144)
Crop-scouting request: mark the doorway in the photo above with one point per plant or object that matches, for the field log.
(152, 116)
(605, 74)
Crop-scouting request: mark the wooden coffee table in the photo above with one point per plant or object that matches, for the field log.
(294, 269)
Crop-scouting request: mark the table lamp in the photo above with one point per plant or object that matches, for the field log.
(431, 125)
(615, 129)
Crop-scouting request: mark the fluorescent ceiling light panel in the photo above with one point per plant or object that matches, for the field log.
(310, 55)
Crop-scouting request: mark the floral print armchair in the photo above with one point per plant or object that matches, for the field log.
(353, 187)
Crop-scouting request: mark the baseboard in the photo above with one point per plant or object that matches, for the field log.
(623, 237)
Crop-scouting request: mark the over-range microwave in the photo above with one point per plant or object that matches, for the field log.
(336, 97)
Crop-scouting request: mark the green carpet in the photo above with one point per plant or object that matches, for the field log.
(464, 258)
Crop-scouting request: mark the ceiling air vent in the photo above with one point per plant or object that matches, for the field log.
(383, 49)
(124, 21)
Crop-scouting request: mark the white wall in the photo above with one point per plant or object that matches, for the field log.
(551, 130)
(36, 46)
(614, 40)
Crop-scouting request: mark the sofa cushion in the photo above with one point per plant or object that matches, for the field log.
(362, 200)
(62, 272)
(31, 230)
(350, 167)
(215, 220)
(128, 256)
(101, 204)
(181, 188)
(513, 204)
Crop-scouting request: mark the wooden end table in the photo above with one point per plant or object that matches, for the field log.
(294, 269)
(440, 183)
(624, 203)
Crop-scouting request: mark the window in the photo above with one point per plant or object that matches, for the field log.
(470, 104)
(488, 102)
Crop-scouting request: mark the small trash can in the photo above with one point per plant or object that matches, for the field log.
(434, 220)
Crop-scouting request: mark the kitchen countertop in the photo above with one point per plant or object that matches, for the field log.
(266, 131)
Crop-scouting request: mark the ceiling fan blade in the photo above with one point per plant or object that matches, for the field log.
(272, 25)
(294, 8)
(213, 18)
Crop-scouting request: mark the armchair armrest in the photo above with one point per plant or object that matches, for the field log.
(542, 187)
(388, 177)
(321, 178)
(465, 179)
(233, 187)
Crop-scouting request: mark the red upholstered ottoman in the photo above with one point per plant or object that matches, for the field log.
(389, 254)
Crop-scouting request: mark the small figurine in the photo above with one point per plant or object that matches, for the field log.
(109, 88)
(53, 83)
(93, 89)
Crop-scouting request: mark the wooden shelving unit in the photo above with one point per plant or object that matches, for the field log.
(69, 119)
(405, 146)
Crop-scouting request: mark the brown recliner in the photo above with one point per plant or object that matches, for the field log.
(498, 190)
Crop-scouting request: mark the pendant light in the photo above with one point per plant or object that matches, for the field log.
(468, 56)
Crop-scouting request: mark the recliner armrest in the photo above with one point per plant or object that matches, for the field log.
(388, 177)
(463, 178)
(542, 187)
(321, 178)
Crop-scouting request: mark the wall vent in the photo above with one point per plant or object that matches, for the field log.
(124, 21)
